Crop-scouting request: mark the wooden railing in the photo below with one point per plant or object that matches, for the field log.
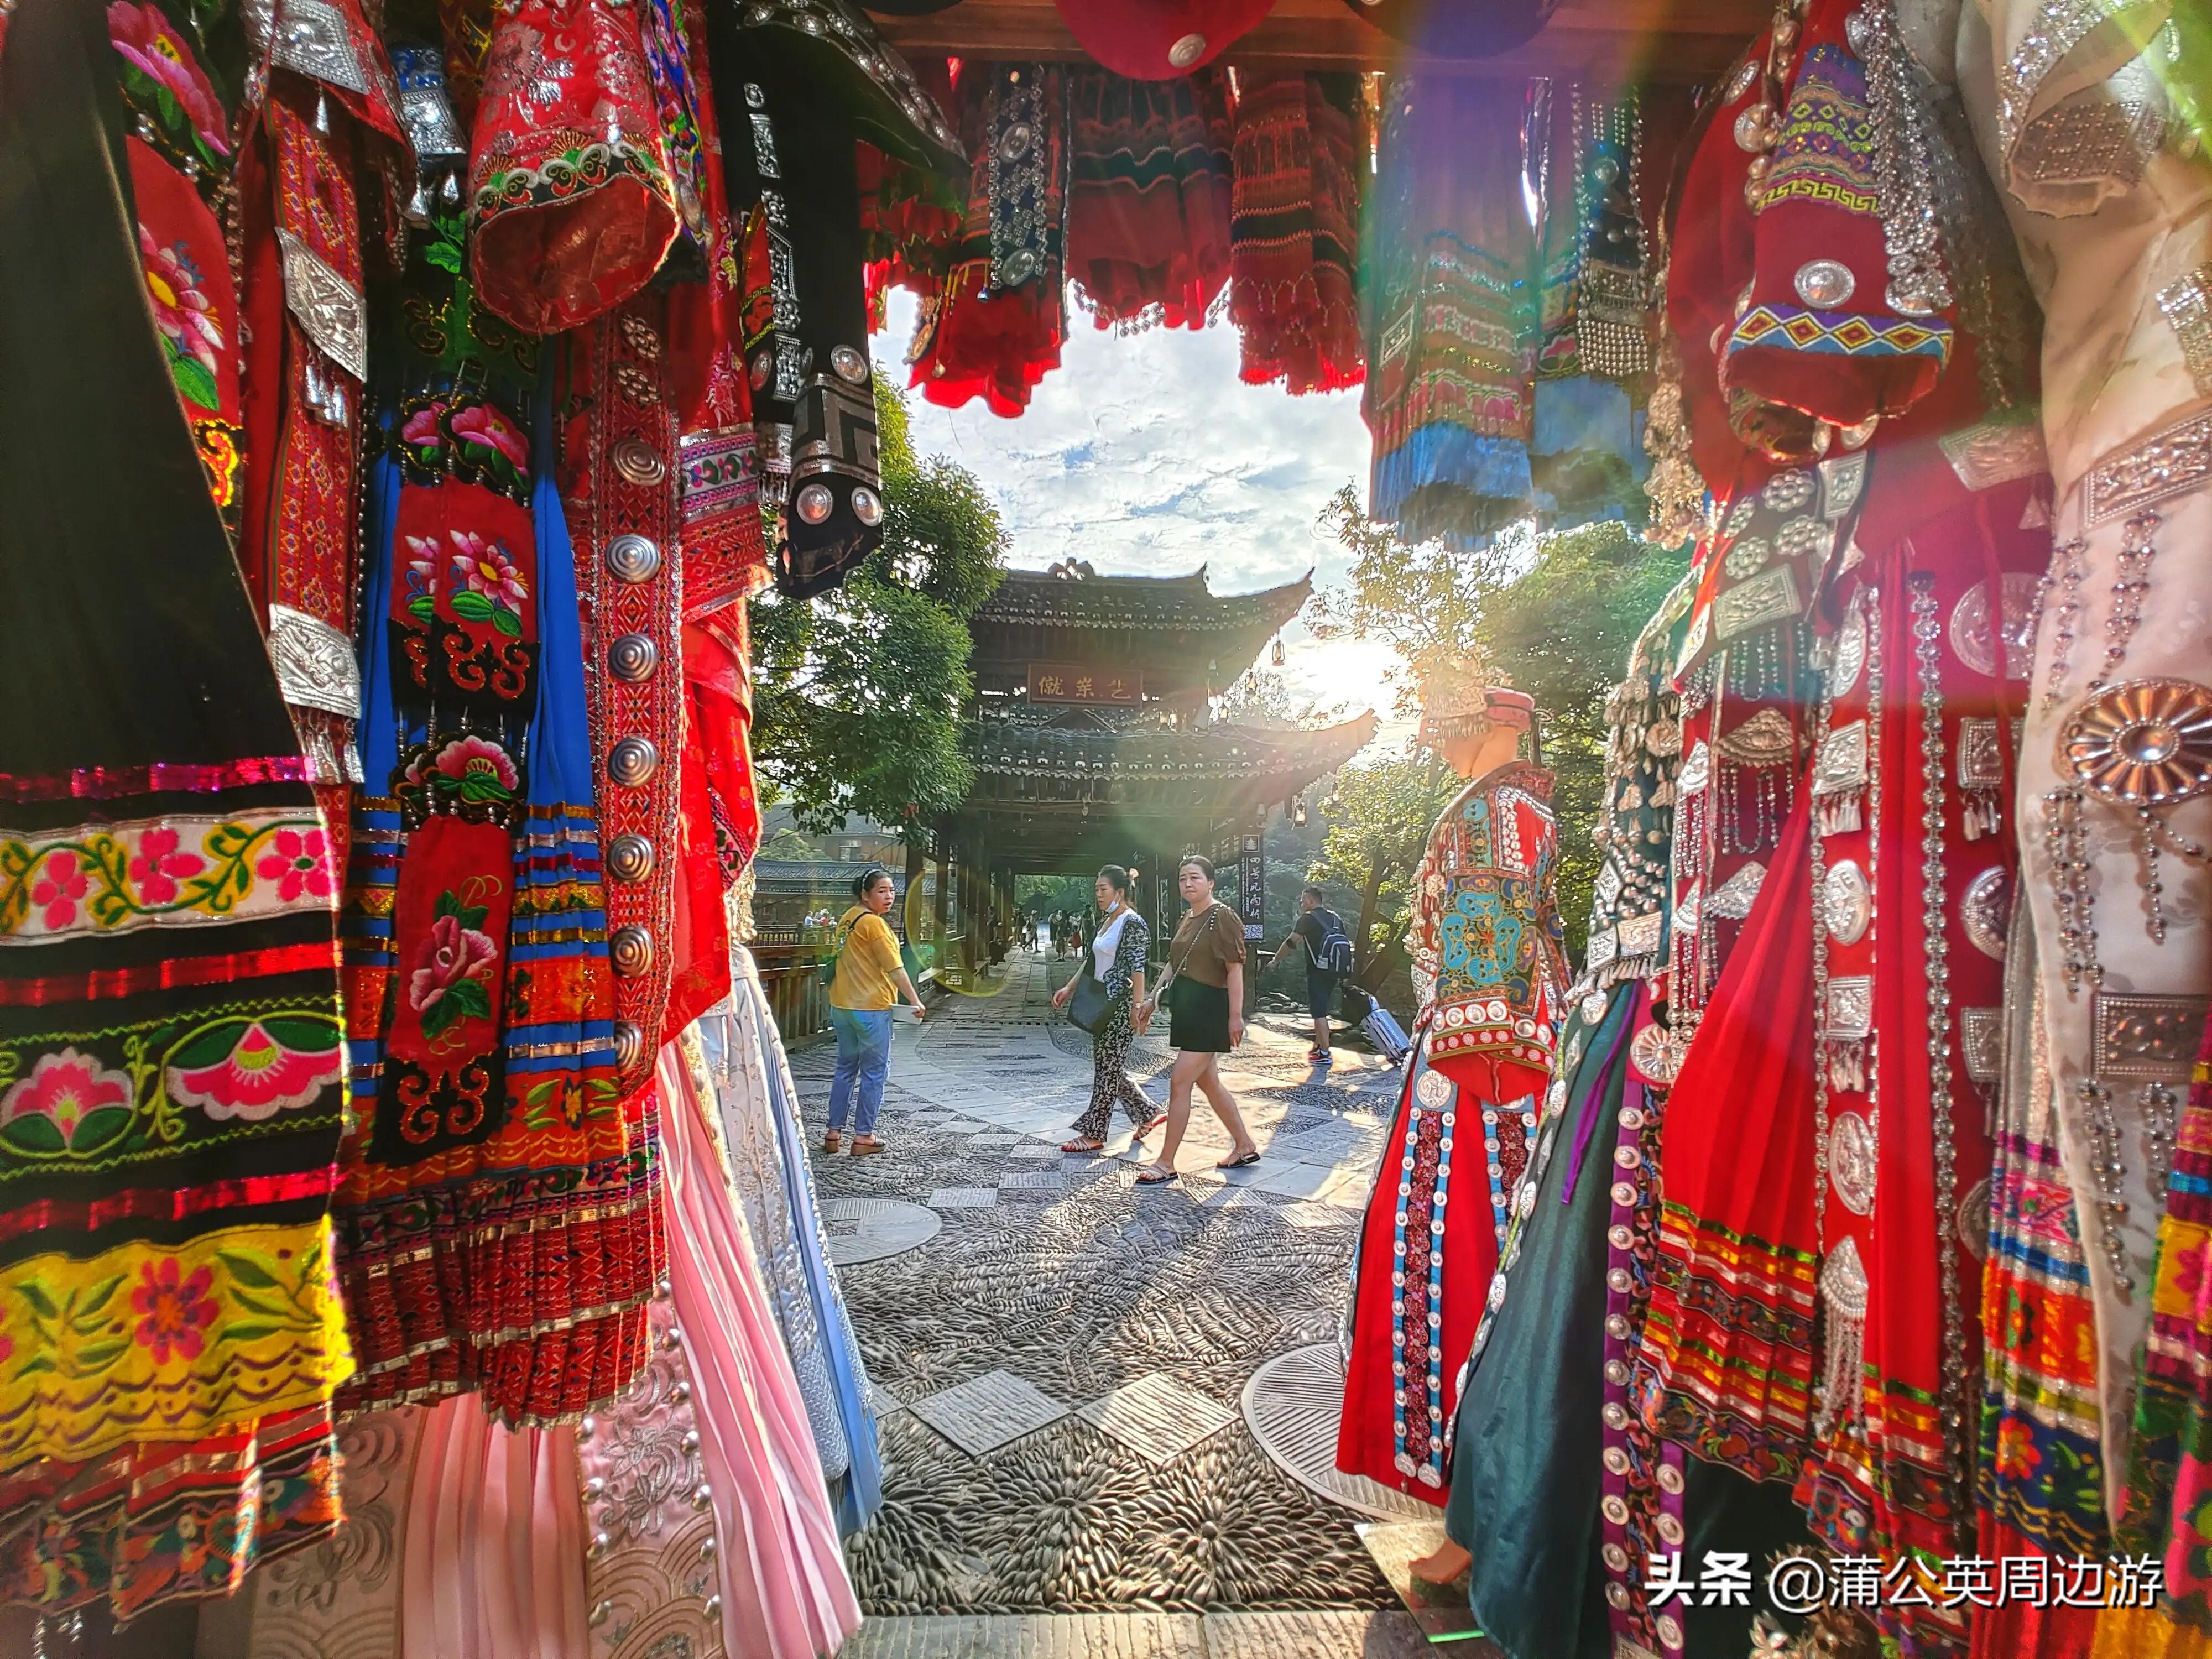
(795, 993)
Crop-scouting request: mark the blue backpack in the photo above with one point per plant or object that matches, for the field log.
(1333, 955)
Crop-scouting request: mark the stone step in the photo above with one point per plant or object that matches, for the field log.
(1340, 1635)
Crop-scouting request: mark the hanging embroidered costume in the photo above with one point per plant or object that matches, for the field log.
(1447, 262)
(799, 83)
(1488, 970)
(2091, 131)
(499, 1222)
(995, 327)
(170, 1062)
(1850, 1148)
(1294, 231)
(1586, 455)
(1148, 196)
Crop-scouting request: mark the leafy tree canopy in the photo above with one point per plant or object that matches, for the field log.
(859, 691)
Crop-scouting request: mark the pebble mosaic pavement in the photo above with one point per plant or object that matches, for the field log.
(1059, 1369)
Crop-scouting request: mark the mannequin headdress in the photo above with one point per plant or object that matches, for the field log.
(1455, 704)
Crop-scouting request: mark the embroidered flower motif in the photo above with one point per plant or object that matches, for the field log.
(157, 864)
(63, 882)
(474, 769)
(482, 425)
(2017, 1457)
(487, 580)
(260, 1074)
(62, 1091)
(191, 337)
(422, 430)
(447, 983)
(421, 576)
(146, 43)
(298, 861)
(173, 1310)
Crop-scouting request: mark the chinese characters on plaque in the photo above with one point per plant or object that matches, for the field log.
(1070, 682)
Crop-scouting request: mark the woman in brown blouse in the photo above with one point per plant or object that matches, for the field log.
(1205, 994)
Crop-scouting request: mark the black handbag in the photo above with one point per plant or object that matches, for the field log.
(1090, 1006)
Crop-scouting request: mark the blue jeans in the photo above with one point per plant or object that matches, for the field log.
(863, 1057)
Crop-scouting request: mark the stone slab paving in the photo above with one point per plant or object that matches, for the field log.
(1348, 1635)
(1120, 1306)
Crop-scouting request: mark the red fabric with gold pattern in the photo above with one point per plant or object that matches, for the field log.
(306, 355)
(616, 483)
(571, 209)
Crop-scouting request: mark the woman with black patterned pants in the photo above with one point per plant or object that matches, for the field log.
(1118, 946)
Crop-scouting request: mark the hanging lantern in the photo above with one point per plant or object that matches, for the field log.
(1277, 657)
(1299, 812)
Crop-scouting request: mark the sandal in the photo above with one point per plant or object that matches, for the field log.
(868, 1146)
(1079, 1144)
(1151, 1177)
(1240, 1163)
(1137, 1136)
(832, 1142)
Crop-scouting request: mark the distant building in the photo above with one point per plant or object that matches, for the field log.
(801, 874)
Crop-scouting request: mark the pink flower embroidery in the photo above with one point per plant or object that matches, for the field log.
(65, 1088)
(258, 1078)
(57, 890)
(144, 39)
(471, 757)
(451, 955)
(484, 566)
(173, 1310)
(421, 432)
(298, 861)
(157, 864)
(480, 423)
(182, 308)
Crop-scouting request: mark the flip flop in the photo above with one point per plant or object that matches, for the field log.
(1245, 1162)
(1157, 1178)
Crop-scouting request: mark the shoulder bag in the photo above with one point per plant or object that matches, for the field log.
(1090, 1006)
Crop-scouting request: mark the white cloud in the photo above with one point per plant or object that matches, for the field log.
(1146, 454)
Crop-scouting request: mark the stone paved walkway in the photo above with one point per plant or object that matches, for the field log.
(1060, 1365)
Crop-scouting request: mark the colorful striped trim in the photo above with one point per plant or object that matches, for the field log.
(1839, 333)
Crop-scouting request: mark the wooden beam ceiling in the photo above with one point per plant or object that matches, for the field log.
(1614, 40)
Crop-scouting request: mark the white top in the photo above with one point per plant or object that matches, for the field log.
(1103, 943)
(2109, 189)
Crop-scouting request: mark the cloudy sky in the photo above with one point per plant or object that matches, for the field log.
(1146, 455)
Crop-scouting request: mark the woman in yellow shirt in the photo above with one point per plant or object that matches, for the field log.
(869, 971)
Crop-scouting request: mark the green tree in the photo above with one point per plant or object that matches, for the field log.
(1424, 599)
(1379, 816)
(859, 691)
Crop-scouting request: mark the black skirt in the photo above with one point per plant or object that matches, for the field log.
(1198, 1022)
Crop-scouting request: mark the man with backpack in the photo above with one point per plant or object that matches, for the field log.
(1319, 934)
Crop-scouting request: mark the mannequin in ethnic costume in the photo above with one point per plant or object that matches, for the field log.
(1488, 969)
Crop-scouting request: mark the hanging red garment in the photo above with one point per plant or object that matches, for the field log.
(1148, 198)
(571, 205)
(998, 325)
(1294, 232)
